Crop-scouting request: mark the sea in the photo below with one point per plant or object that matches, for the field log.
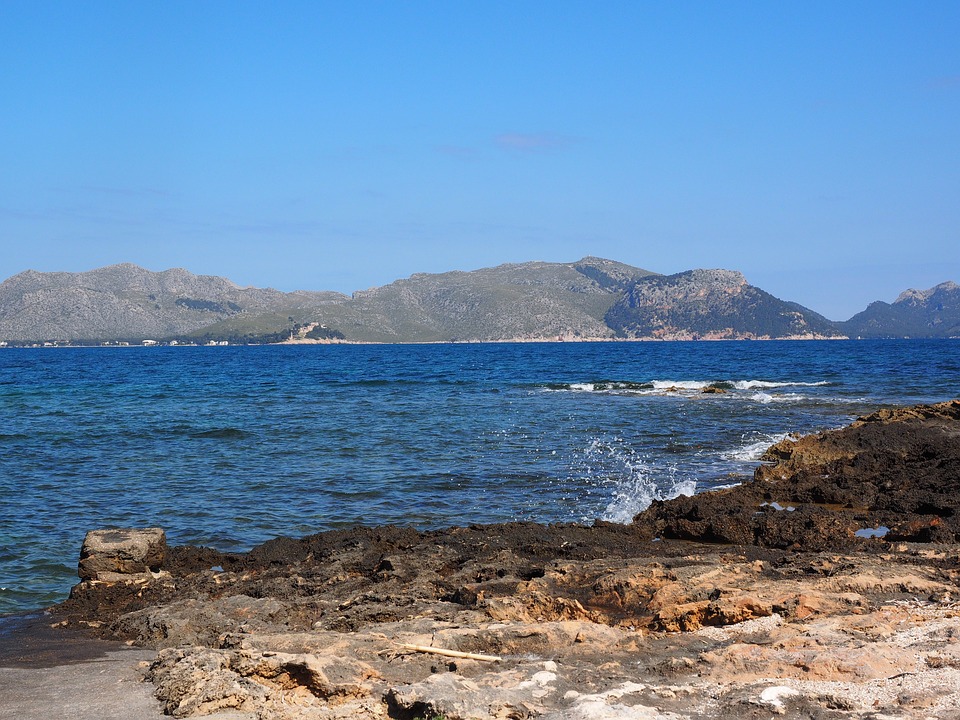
(230, 446)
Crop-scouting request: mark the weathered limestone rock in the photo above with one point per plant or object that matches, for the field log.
(199, 681)
(105, 554)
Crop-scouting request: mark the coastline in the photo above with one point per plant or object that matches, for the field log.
(673, 616)
(684, 338)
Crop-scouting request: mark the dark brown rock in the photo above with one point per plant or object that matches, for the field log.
(896, 468)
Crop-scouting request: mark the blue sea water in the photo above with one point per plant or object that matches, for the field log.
(230, 446)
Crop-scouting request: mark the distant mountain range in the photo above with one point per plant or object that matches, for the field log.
(916, 313)
(592, 299)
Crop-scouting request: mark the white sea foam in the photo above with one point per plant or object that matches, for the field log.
(683, 387)
(679, 384)
(605, 386)
(766, 384)
(767, 398)
(632, 481)
(752, 449)
(635, 494)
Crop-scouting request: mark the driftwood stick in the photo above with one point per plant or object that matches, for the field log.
(450, 653)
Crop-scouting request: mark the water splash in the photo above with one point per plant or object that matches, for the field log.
(632, 480)
(635, 495)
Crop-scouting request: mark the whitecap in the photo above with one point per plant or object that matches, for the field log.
(751, 450)
(679, 384)
(766, 384)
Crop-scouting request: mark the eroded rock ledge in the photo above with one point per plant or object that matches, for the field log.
(783, 612)
(895, 469)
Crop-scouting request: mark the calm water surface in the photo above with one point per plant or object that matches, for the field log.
(230, 446)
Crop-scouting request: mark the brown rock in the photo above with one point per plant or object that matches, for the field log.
(897, 468)
(127, 551)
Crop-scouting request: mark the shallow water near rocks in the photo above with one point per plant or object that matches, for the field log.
(230, 446)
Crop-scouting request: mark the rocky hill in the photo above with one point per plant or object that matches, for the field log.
(592, 298)
(527, 301)
(931, 313)
(710, 304)
(126, 302)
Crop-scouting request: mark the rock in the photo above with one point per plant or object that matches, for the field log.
(682, 631)
(198, 681)
(201, 681)
(897, 469)
(784, 612)
(455, 698)
(105, 554)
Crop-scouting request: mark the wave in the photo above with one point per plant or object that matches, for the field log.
(753, 448)
(632, 480)
(636, 494)
(227, 433)
(766, 384)
(732, 388)
(682, 384)
(600, 386)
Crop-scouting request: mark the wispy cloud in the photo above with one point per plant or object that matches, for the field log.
(946, 82)
(532, 142)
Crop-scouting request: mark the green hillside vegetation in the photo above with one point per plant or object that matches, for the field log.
(523, 301)
(931, 313)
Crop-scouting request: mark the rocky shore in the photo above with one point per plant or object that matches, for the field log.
(827, 587)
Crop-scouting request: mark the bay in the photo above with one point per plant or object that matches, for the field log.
(230, 446)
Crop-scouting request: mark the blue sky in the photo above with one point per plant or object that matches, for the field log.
(815, 146)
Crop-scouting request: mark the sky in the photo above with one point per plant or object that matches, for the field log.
(813, 146)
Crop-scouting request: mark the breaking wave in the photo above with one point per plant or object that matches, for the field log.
(635, 494)
(631, 480)
(758, 391)
(646, 387)
(753, 447)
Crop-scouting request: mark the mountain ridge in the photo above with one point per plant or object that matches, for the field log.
(934, 312)
(589, 299)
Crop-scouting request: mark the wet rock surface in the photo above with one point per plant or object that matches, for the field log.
(726, 605)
